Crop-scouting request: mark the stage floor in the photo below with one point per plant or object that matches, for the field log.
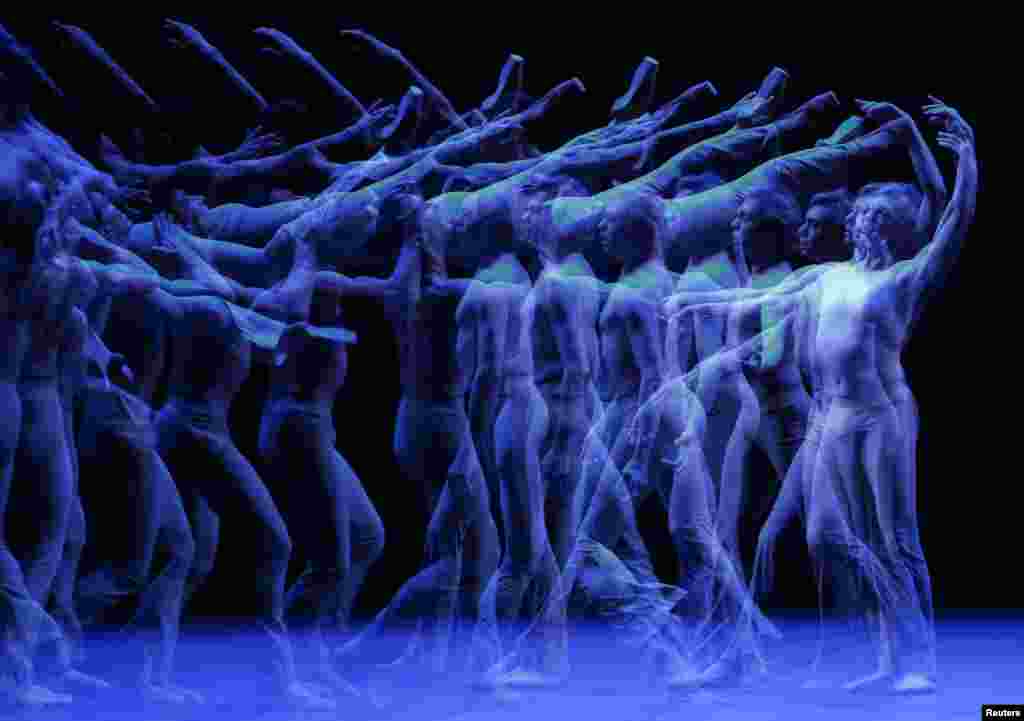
(980, 662)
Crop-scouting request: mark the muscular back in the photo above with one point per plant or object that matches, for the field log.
(567, 302)
(633, 299)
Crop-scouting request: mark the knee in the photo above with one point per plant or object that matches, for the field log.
(694, 545)
(490, 544)
(908, 546)
(369, 548)
(767, 536)
(202, 566)
(374, 548)
(511, 462)
(823, 536)
(526, 558)
(74, 539)
(183, 553)
(277, 546)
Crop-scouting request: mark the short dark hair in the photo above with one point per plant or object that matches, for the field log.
(782, 212)
(837, 202)
(642, 214)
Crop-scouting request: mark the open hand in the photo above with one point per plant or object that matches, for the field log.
(956, 134)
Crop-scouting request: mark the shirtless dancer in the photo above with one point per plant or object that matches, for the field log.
(434, 447)
(859, 496)
(25, 623)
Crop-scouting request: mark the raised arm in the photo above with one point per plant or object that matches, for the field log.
(639, 95)
(509, 92)
(186, 36)
(282, 45)
(11, 49)
(436, 96)
(929, 177)
(929, 270)
(82, 40)
(647, 126)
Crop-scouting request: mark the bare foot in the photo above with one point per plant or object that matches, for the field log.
(529, 679)
(871, 682)
(302, 696)
(36, 696)
(188, 694)
(913, 683)
(162, 694)
(83, 680)
(336, 682)
(718, 675)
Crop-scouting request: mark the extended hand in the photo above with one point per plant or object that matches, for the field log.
(181, 35)
(956, 135)
(880, 112)
(281, 44)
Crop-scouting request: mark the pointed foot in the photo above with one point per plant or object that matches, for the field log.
(913, 684)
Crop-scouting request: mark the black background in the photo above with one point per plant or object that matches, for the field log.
(956, 361)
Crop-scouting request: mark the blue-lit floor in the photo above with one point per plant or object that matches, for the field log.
(980, 661)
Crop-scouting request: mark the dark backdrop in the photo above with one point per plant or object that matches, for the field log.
(967, 520)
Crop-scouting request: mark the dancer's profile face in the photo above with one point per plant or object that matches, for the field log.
(745, 225)
(818, 222)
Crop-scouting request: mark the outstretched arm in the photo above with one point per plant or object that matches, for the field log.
(645, 127)
(90, 245)
(406, 269)
(85, 42)
(186, 36)
(795, 282)
(438, 98)
(10, 48)
(282, 45)
(360, 136)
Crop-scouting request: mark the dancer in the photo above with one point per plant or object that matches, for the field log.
(331, 518)
(434, 447)
(25, 623)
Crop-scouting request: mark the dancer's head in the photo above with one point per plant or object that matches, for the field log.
(823, 232)
(539, 224)
(765, 226)
(632, 227)
(884, 225)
